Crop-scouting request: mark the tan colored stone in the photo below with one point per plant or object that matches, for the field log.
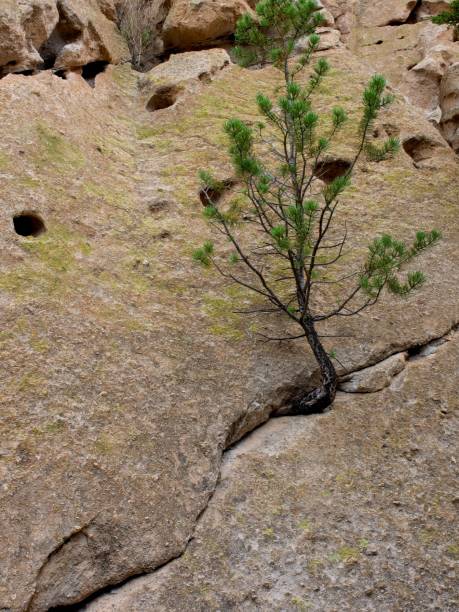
(374, 378)
(63, 35)
(329, 512)
(93, 37)
(24, 28)
(449, 103)
(125, 371)
(329, 39)
(390, 12)
(167, 82)
(194, 23)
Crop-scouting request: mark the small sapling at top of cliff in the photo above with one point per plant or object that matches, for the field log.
(449, 17)
(294, 236)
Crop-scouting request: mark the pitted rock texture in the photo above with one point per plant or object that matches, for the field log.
(125, 373)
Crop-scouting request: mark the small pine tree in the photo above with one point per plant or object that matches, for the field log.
(449, 17)
(288, 260)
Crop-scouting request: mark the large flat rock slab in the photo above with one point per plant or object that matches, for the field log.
(352, 510)
(125, 372)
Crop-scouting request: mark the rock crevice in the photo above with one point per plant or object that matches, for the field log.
(354, 382)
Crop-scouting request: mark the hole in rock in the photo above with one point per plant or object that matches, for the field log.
(164, 97)
(419, 148)
(62, 74)
(90, 71)
(28, 224)
(328, 171)
(379, 42)
(215, 194)
(64, 33)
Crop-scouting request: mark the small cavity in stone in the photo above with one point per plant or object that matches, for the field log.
(214, 194)
(419, 148)
(328, 171)
(91, 70)
(163, 97)
(28, 224)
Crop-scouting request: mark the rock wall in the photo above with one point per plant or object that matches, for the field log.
(126, 374)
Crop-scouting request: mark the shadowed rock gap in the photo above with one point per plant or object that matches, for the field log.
(63, 34)
(28, 224)
(415, 352)
(164, 97)
(329, 170)
(91, 70)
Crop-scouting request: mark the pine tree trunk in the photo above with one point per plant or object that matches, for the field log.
(318, 399)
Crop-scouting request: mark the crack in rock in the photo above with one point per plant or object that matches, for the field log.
(78, 531)
(409, 354)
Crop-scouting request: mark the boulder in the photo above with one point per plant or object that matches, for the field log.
(423, 80)
(329, 39)
(449, 103)
(195, 23)
(389, 12)
(374, 378)
(163, 85)
(61, 34)
(24, 28)
(83, 35)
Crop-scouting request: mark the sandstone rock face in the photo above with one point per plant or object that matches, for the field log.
(329, 513)
(165, 83)
(126, 373)
(194, 23)
(449, 103)
(62, 34)
(420, 56)
(329, 39)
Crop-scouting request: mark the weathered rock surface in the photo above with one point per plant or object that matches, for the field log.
(124, 378)
(390, 12)
(165, 83)
(58, 34)
(197, 22)
(23, 29)
(125, 374)
(352, 510)
(421, 54)
(374, 378)
(449, 104)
